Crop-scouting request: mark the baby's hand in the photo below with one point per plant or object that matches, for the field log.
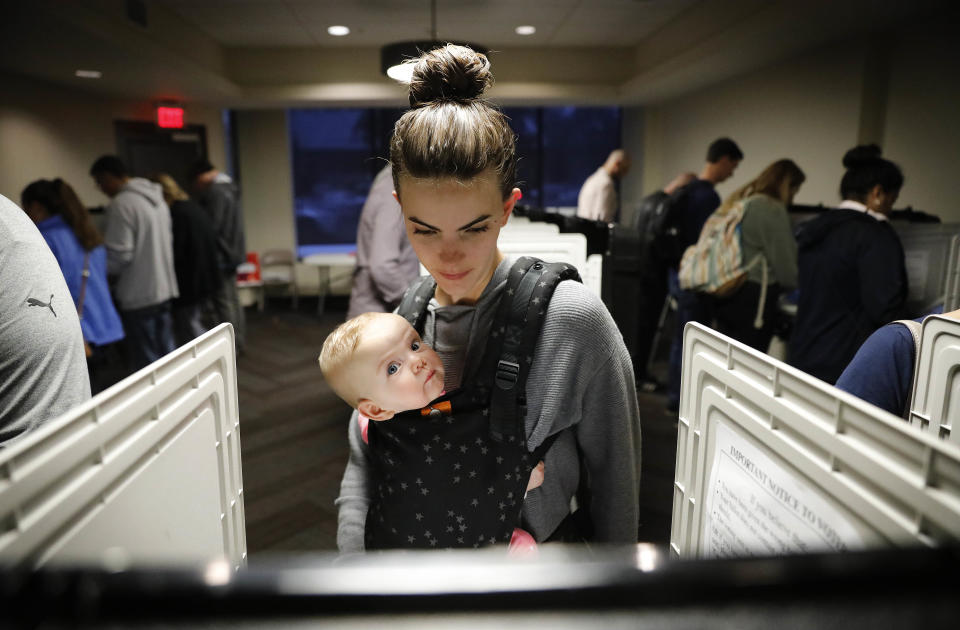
(536, 477)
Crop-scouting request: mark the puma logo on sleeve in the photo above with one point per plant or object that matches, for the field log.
(36, 302)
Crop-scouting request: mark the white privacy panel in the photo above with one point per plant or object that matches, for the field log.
(951, 298)
(570, 248)
(772, 461)
(936, 380)
(926, 249)
(518, 225)
(593, 277)
(146, 472)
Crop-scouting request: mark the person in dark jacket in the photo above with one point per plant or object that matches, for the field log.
(647, 220)
(852, 277)
(220, 197)
(692, 205)
(194, 260)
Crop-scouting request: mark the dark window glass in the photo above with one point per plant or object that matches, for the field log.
(337, 152)
(576, 141)
(525, 122)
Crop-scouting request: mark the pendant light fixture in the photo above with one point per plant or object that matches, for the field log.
(392, 56)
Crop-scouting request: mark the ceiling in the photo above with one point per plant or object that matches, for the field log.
(559, 23)
(277, 53)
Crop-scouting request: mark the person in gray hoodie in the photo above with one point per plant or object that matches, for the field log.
(139, 242)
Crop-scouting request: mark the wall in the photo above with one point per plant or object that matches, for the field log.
(922, 131)
(631, 186)
(899, 90)
(263, 150)
(50, 131)
(806, 109)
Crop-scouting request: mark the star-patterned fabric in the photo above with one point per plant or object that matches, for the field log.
(458, 479)
(443, 482)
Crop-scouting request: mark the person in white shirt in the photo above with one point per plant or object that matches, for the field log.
(598, 195)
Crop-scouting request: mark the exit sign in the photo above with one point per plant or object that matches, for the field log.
(170, 117)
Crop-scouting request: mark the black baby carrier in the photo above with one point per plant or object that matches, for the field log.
(454, 474)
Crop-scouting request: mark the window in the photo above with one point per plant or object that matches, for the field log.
(335, 156)
(575, 142)
(336, 153)
(559, 147)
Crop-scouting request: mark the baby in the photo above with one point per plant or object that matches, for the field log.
(378, 365)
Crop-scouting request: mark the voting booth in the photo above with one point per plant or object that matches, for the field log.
(145, 473)
(951, 299)
(169, 434)
(935, 405)
(771, 461)
(926, 250)
(543, 241)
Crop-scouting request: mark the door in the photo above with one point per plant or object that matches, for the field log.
(147, 149)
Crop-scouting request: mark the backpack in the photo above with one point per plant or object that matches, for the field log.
(715, 264)
(663, 228)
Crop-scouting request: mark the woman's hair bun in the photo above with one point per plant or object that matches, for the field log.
(449, 73)
(861, 155)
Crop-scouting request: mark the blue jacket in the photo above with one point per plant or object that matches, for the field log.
(881, 372)
(100, 322)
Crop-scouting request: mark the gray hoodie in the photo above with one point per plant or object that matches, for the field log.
(139, 241)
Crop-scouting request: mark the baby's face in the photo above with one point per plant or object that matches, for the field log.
(395, 370)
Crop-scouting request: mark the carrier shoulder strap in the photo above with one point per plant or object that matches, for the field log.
(513, 338)
(915, 329)
(413, 306)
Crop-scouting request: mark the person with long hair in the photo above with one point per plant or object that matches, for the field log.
(852, 276)
(76, 243)
(454, 174)
(765, 230)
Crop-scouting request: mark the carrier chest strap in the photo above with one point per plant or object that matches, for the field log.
(413, 306)
(515, 333)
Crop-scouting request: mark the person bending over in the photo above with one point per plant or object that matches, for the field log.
(852, 274)
(765, 230)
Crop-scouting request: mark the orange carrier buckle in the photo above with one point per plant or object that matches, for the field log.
(440, 408)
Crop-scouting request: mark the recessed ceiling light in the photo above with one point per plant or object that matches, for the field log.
(338, 31)
(525, 30)
(88, 74)
(402, 72)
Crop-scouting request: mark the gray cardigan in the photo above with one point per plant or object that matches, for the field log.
(580, 385)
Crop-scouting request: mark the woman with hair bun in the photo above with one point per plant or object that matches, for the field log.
(852, 277)
(69, 231)
(454, 175)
